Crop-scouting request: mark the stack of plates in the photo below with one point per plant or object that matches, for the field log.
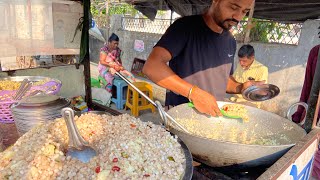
(35, 110)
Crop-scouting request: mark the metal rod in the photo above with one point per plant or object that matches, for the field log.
(135, 88)
(152, 102)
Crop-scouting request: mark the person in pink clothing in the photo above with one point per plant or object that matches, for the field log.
(110, 61)
(306, 89)
(305, 93)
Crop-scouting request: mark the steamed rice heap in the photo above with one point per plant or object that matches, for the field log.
(127, 149)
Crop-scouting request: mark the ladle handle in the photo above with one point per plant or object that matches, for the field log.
(22, 87)
(75, 139)
(289, 114)
(162, 113)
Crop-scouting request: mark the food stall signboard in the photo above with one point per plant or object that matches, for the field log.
(301, 168)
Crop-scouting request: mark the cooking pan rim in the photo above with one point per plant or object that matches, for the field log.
(228, 142)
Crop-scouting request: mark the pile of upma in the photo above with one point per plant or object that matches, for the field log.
(127, 149)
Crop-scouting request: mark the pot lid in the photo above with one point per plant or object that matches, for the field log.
(260, 92)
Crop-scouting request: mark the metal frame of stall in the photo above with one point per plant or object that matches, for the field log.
(84, 49)
(297, 162)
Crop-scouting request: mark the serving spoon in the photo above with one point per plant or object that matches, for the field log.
(223, 112)
(77, 148)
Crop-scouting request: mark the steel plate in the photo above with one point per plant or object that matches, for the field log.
(36, 100)
(261, 92)
(30, 78)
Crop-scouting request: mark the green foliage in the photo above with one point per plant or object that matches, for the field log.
(265, 31)
(98, 10)
(122, 9)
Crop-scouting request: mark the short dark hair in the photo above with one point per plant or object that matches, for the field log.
(246, 51)
(113, 37)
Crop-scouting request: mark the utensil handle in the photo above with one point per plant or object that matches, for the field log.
(22, 85)
(305, 105)
(162, 113)
(75, 139)
(135, 88)
(24, 90)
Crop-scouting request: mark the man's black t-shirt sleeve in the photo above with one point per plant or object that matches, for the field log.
(175, 38)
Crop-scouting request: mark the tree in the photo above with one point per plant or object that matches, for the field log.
(100, 7)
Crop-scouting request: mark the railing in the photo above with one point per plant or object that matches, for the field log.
(269, 32)
(158, 26)
(261, 30)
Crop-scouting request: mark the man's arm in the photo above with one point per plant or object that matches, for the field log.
(158, 71)
(233, 86)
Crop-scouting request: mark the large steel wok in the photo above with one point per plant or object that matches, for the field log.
(220, 152)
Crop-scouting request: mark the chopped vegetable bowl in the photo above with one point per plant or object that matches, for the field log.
(127, 149)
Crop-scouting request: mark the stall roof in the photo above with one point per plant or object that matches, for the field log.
(277, 10)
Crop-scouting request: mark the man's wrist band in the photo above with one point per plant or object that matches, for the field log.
(190, 92)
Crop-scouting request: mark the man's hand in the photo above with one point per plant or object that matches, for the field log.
(205, 102)
(251, 83)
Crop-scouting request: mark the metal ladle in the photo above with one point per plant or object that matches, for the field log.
(78, 148)
(23, 89)
(164, 116)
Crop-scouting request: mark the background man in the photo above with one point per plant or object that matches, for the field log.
(200, 51)
(248, 69)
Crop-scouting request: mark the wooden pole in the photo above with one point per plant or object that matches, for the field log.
(249, 24)
(86, 60)
(107, 17)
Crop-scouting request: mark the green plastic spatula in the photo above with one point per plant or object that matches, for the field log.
(224, 113)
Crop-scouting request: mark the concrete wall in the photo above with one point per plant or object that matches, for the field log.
(287, 65)
(286, 62)
(72, 79)
(127, 39)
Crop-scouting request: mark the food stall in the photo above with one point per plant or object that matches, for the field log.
(49, 146)
(293, 156)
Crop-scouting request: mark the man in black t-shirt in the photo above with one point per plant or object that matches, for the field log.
(200, 52)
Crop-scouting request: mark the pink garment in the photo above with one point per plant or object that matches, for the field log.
(104, 72)
(316, 165)
(113, 56)
(306, 89)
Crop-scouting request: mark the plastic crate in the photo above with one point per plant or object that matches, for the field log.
(137, 66)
